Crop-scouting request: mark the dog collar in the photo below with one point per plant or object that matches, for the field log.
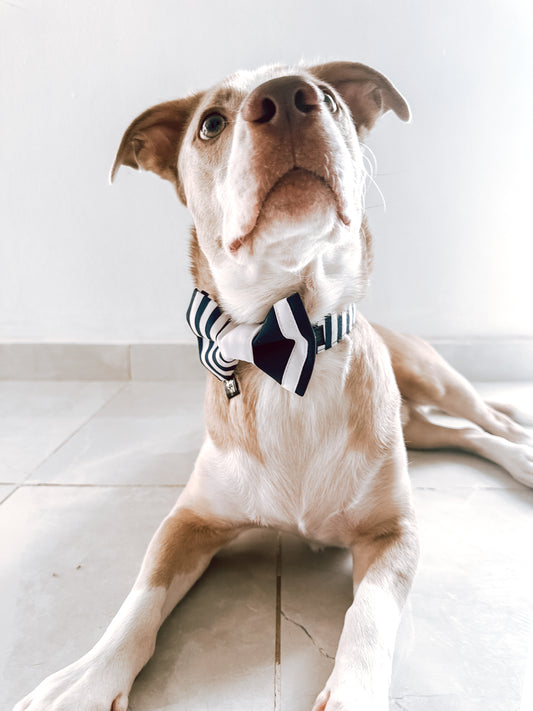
(284, 345)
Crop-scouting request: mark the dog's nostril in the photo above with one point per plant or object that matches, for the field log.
(301, 103)
(268, 111)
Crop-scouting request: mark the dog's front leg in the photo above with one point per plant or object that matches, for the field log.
(384, 564)
(101, 680)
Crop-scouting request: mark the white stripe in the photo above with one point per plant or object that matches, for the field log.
(334, 329)
(220, 324)
(289, 328)
(236, 343)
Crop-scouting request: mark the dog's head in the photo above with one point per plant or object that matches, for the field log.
(270, 166)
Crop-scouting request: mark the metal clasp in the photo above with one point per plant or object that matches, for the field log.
(232, 388)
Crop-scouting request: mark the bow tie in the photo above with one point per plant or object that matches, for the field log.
(284, 346)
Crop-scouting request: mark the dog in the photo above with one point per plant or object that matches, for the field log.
(308, 406)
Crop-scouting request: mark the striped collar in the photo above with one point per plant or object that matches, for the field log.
(284, 345)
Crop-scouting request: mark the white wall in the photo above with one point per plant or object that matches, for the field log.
(81, 261)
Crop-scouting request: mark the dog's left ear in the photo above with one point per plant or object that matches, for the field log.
(152, 141)
(367, 92)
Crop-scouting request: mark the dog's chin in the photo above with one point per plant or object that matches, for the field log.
(298, 213)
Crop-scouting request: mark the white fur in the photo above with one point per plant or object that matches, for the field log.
(296, 488)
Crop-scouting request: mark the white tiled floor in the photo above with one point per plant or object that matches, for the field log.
(87, 471)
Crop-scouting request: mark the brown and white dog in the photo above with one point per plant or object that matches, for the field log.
(270, 165)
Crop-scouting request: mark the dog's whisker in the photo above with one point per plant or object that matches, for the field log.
(369, 177)
(371, 155)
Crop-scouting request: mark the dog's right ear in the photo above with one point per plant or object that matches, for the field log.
(152, 141)
(367, 93)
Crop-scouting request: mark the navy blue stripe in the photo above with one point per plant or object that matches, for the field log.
(201, 308)
(208, 364)
(339, 327)
(319, 335)
(222, 363)
(207, 351)
(327, 329)
(217, 313)
(271, 349)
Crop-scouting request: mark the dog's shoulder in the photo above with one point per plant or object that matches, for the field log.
(372, 395)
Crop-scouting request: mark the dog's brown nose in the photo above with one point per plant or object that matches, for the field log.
(280, 99)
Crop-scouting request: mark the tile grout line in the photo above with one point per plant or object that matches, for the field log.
(75, 432)
(3, 501)
(129, 362)
(277, 653)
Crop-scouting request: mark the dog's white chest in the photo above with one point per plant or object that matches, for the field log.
(309, 477)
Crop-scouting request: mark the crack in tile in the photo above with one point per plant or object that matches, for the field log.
(308, 634)
(277, 655)
(399, 706)
(406, 697)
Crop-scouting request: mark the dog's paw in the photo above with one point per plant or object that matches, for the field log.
(520, 463)
(79, 687)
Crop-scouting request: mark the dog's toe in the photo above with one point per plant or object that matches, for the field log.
(521, 464)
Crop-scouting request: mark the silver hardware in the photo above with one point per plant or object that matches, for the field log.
(232, 388)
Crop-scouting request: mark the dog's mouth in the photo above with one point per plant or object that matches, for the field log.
(298, 185)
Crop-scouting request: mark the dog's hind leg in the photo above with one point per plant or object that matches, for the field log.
(101, 680)
(516, 458)
(519, 416)
(425, 378)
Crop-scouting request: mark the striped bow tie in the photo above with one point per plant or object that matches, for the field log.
(284, 346)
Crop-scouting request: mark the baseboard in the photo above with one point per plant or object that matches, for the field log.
(477, 359)
(72, 361)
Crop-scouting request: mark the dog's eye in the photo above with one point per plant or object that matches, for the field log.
(329, 100)
(212, 125)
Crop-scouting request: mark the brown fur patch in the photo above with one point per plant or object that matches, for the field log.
(386, 551)
(180, 541)
(232, 423)
(199, 266)
(418, 368)
(367, 260)
(390, 563)
(373, 397)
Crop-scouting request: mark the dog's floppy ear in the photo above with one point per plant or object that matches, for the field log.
(153, 139)
(367, 92)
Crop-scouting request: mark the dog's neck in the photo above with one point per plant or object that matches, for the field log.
(335, 278)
